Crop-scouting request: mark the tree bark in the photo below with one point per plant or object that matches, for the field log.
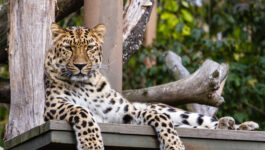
(200, 87)
(135, 17)
(29, 39)
(174, 64)
(63, 9)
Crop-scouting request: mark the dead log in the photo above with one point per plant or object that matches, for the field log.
(174, 64)
(135, 17)
(63, 9)
(200, 87)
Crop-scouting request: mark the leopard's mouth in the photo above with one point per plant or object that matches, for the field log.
(81, 76)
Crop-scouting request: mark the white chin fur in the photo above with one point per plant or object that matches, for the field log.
(74, 78)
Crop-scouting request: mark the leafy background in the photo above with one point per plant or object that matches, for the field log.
(226, 31)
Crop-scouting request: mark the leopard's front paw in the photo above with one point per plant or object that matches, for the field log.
(90, 143)
(91, 146)
(175, 145)
(249, 125)
(170, 141)
(226, 123)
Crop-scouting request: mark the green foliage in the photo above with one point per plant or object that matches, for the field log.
(4, 108)
(192, 32)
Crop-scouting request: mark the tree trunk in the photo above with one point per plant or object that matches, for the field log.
(135, 17)
(29, 39)
(174, 64)
(200, 87)
(108, 12)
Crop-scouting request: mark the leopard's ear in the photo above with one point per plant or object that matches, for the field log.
(57, 31)
(99, 30)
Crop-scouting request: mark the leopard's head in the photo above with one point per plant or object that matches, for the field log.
(76, 52)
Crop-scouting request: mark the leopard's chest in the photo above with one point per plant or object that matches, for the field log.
(105, 106)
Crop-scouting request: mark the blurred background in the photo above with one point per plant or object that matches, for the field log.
(231, 31)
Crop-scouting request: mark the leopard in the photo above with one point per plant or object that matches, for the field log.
(77, 92)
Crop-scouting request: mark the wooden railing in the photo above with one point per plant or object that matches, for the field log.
(55, 135)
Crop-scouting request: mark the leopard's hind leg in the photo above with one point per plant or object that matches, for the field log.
(186, 119)
(183, 118)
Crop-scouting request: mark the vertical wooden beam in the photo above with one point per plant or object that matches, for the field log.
(108, 12)
(150, 32)
(29, 39)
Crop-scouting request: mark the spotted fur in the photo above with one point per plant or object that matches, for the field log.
(77, 92)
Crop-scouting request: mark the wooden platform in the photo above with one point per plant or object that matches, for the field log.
(57, 135)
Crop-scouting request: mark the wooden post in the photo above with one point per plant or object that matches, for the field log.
(108, 12)
(29, 39)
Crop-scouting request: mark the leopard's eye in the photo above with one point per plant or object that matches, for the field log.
(89, 47)
(68, 48)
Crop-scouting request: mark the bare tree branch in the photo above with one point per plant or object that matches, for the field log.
(200, 87)
(174, 64)
(135, 17)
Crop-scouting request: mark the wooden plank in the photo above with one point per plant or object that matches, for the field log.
(66, 140)
(132, 136)
(110, 139)
(183, 132)
(205, 144)
(34, 143)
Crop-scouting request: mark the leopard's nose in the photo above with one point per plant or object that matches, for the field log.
(80, 66)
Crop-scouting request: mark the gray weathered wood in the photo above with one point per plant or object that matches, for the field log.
(135, 17)
(29, 38)
(200, 87)
(174, 64)
(133, 136)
